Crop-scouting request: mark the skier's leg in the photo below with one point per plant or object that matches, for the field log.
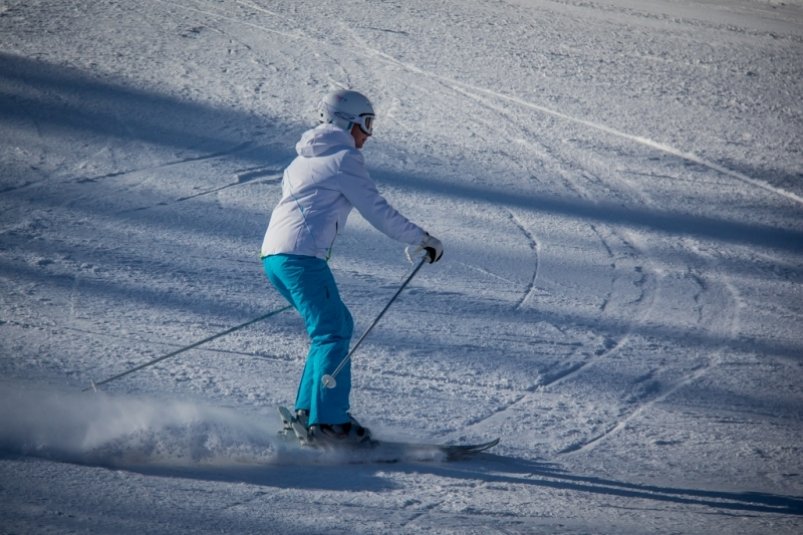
(309, 285)
(275, 270)
(330, 343)
(330, 326)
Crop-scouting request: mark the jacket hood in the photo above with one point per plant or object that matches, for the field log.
(323, 140)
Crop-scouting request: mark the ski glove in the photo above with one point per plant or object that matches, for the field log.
(433, 247)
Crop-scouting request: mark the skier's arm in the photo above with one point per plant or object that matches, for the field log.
(361, 192)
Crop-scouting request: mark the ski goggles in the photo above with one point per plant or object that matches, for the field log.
(366, 123)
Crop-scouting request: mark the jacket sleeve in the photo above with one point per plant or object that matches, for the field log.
(360, 190)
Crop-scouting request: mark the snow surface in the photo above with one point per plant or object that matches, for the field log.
(619, 188)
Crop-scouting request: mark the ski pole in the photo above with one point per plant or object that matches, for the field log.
(328, 380)
(94, 385)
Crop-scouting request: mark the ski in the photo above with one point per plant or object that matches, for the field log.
(434, 452)
(385, 451)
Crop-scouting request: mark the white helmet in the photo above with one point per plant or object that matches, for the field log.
(344, 108)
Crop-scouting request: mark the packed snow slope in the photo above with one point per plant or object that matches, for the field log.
(619, 188)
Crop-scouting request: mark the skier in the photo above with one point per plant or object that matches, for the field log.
(319, 189)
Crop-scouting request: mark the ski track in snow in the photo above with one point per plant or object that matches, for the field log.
(533, 244)
(180, 161)
(643, 404)
(664, 393)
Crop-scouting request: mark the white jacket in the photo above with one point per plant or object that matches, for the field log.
(319, 189)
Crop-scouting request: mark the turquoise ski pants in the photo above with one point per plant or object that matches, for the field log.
(307, 283)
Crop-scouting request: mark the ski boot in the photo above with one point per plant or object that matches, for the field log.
(349, 434)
